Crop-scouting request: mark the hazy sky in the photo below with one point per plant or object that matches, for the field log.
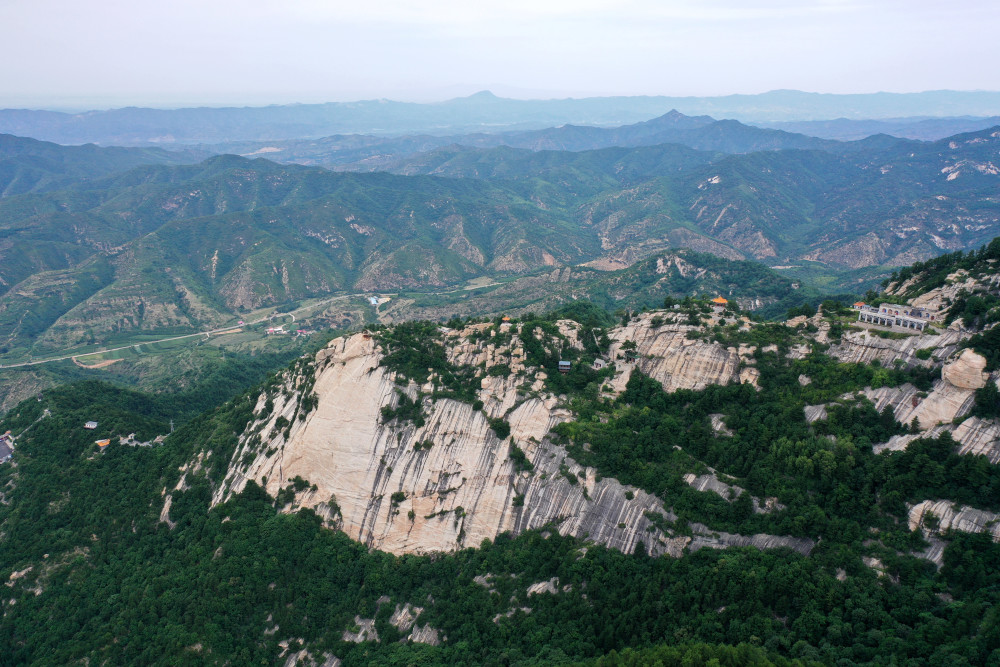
(93, 53)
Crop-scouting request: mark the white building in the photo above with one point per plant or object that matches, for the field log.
(896, 315)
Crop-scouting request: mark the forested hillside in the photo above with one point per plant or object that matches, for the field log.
(160, 556)
(162, 250)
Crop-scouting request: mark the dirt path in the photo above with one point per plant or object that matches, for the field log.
(99, 364)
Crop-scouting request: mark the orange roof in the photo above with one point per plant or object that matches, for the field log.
(505, 319)
(103, 443)
(719, 300)
(859, 303)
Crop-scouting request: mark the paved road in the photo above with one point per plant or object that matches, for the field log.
(208, 332)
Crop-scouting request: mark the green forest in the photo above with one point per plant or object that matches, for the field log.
(95, 574)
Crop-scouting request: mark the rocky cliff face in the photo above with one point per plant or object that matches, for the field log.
(863, 347)
(322, 440)
(951, 397)
(936, 516)
(451, 482)
(667, 354)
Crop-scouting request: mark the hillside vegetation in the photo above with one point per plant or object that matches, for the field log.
(159, 564)
(173, 249)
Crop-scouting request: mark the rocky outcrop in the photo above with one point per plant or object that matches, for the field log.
(974, 436)
(404, 618)
(667, 354)
(966, 372)
(462, 489)
(550, 586)
(863, 347)
(448, 483)
(979, 437)
(710, 482)
(937, 516)
(951, 397)
(944, 403)
(706, 538)
(363, 631)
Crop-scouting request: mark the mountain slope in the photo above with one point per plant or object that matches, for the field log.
(762, 468)
(27, 165)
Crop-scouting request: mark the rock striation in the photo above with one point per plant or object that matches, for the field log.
(936, 516)
(667, 354)
(451, 482)
(864, 347)
(952, 396)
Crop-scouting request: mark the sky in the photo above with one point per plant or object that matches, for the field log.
(168, 53)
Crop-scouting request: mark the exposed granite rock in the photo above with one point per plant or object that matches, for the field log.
(719, 426)
(815, 413)
(305, 659)
(944, 403)
(934, 551)
(460, 491)
(365, 633)
(666, 354)
(550, 586)
(368, 479)
(898, 443)
(730, 492)
(979, 436)
(404, 618)
(966, 372)
(706, 538)
(949, 515)
(425, 635)
(863, 347)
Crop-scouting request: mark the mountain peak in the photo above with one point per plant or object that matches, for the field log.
(676, 120)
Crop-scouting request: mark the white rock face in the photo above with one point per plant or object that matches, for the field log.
(954, 517)
(979, 436)
(666, 354)
(710, 482)
(465, 488)
(550, 586)
(365, 631)
(404, 618)
(974, 436)
(951, 397)
(966, 372)
(863, 347)
(942, 404)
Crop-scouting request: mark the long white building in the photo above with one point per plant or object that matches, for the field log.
(896, 315)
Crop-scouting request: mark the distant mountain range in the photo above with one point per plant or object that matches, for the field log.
(850, 129)
(372, 152)
(169, 248)
(482, 112)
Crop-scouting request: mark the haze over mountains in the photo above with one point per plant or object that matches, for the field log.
(480, 112)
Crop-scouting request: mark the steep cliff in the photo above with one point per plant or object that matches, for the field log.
(951, 397)
(864, 347)
(451, 481)
(936, 516)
